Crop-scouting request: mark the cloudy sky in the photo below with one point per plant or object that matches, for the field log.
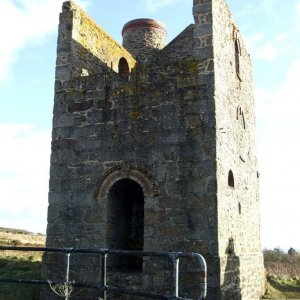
(28, 30)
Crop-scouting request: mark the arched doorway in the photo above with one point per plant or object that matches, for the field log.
(125, 223)
(124, 68)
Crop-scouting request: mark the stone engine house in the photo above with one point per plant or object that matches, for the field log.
(153, 148)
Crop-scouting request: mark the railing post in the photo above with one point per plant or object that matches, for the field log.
(175, 261)
(203, 272)
(104, 274)
(67, 296)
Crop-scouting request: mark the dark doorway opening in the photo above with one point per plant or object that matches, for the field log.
(126, 223)
(124, 68)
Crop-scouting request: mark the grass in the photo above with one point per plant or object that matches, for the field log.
(283, 271)
(280, 288)
(20, 265)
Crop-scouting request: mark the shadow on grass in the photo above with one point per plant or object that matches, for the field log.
(282, 289)
(19, 268)
(285, 285)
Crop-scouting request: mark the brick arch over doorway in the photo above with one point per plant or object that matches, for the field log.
(125, 171)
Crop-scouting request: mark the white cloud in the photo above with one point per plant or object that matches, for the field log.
(268, 52)
(298, 8)
(268, 5)
(22, 22)
(24, 176)
(282, 37)
(273, 41)
(260, 49)
(282, 105)
(154, 5)
(279, 148)
(256, 37)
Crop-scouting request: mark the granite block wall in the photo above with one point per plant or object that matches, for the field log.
(159, 158)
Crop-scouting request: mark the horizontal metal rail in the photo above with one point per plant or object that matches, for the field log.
(104, 288)
(96, 251)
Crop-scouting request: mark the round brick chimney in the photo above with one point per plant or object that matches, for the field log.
(143, 37)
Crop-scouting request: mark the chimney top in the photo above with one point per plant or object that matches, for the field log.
(144, 23)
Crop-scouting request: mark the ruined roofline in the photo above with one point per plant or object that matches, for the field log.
(84, 47)
(74, 6)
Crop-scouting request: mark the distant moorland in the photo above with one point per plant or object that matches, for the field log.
(20, 265)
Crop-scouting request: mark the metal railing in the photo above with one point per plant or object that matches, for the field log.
(65, 289)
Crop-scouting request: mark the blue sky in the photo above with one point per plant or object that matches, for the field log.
(28, 31)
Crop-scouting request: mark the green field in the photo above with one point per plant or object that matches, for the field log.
(20, 267)
(282, 289)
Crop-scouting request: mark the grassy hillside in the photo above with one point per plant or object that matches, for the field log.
(21, 265)
(18, 237)
(283, 274)
(280, 288)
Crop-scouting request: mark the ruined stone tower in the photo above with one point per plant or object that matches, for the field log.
(153, 148)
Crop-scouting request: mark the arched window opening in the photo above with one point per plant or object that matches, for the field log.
(230, 179)
(124, 68)
(240, 116)
(243, 121)
(240, 208)
(125, 221)
(237, 112)
(237, 51)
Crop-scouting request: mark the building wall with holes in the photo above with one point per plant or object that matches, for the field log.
(84, 47)
(177, 124)
(238, 199)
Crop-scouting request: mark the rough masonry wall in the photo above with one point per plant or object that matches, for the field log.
(203, 52)
(84, 47)
(175, 127)
(155, 122)
(151, 124)
(180, 47)
(238, 205)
